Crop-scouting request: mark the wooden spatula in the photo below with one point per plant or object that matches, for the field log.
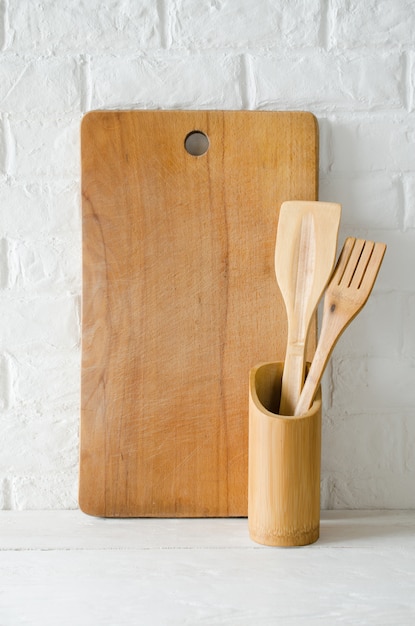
(304, 258)
(346, 294)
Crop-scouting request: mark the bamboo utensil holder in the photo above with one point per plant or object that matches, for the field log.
(284, 465)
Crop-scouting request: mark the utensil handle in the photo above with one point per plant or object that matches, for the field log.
(312, 381)
(292, 379)
(331, 328)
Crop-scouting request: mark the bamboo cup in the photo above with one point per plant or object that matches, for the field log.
(284, 465)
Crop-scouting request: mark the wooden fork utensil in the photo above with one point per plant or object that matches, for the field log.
(346, 294)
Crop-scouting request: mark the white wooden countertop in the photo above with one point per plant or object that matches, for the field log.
(63, 568)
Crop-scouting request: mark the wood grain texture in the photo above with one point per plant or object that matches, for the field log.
(180, 301)
(284, 465)
(305, 253)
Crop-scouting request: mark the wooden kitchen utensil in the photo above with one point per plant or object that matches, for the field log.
(346, 294)
(305, 253)
(180, 300)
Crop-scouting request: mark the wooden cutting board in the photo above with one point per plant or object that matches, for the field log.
(180, 300)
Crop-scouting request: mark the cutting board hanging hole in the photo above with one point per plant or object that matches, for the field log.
(196, 143)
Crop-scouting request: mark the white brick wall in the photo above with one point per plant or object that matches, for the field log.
(351, 63)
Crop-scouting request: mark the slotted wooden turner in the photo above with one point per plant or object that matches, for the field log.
(348, 291)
